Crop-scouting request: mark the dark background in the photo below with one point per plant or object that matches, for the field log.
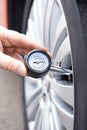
(15, 14)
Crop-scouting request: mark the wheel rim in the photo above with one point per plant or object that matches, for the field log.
(50, 101)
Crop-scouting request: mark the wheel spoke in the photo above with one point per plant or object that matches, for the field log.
(65, 115)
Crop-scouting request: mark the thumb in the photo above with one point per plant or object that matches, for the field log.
(12, 64)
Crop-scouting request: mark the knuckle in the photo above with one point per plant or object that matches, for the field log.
(11, 66)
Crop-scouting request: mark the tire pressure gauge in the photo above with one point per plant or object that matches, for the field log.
(38, 63)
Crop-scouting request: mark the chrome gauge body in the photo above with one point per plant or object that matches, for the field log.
(38, 63)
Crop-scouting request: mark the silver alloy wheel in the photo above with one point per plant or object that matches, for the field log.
(50, 101)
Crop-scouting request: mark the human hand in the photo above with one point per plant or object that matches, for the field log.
(12, 45)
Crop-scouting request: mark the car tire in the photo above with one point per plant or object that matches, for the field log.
(57, 101)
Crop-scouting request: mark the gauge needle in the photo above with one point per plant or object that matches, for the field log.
(38, 62)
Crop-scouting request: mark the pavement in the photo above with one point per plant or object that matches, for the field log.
(11, 102)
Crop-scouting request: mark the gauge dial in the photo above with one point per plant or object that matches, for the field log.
(38, 63)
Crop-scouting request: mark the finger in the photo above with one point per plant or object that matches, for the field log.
(12, 64)
(18, 57)
(10, 50)
(13, 38)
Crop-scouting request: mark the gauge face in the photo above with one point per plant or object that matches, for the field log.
(38, 61)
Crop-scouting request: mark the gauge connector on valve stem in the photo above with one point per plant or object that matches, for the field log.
(38, 63)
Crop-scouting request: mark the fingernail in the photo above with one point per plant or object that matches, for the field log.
(21, 71)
